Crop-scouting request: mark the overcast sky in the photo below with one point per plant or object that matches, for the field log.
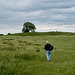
(46, 15)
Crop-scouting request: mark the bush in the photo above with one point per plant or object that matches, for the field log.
(1, 34)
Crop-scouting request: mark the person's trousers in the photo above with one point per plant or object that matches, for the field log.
(48, 55)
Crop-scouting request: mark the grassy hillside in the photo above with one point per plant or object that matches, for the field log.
(24, 55)
(43, 34)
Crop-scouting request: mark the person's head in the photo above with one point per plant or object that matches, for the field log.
(47, 42)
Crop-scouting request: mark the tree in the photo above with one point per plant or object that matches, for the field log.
(27, 26)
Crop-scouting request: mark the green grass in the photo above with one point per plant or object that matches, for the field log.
(43, 34)
(24, 55)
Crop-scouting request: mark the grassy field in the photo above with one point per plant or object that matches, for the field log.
(24, 55)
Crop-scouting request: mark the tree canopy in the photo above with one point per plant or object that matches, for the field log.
(27, 27)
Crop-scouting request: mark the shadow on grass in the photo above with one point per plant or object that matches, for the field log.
(8, 49)
(8, 43)
(26, 56)
(38, 50)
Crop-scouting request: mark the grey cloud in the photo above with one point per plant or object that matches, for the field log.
(36, 5)
(55, 12)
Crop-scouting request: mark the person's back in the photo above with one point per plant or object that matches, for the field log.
(47, 47)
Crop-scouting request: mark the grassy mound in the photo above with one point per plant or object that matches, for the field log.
(43, 34)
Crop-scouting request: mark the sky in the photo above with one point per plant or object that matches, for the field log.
(46, 15)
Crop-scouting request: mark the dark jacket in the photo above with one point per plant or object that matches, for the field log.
(47, 47)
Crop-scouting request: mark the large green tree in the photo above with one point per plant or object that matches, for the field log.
(27, 26)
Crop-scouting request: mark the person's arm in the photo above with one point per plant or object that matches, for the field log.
(45, 47)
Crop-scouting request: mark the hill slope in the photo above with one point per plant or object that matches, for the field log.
(43, 34)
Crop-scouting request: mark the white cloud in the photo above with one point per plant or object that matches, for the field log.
(63, 28)
(58, 17)
(10, 29)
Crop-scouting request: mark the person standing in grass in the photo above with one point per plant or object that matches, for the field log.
(48, 51)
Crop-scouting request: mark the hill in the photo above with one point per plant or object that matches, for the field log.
(42, 34)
